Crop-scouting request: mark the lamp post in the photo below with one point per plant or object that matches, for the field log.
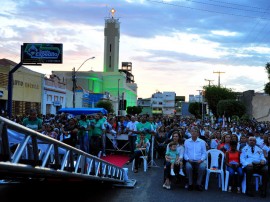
(74, 80)
(118, 100)
(201, 99)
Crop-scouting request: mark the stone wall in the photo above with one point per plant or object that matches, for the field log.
(261, 107)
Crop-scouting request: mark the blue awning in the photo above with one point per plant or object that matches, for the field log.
(86, 111)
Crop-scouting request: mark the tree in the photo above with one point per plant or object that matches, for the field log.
(267, 86)
(106, 105)
(231, 108)
(194, 109)
(134, 110)
(267, 68)
(213, 94)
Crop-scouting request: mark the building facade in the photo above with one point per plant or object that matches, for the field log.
(54, 94)
(145, 104)
(163, 103)
(157, 103)
(169, 103)
(117, 82)
(27, 88)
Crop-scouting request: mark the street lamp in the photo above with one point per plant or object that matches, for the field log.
(118, 99)
(74, 80)
(201, 99)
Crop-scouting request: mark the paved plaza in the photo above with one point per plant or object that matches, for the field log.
(148, 188)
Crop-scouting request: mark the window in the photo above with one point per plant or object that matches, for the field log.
(49, 98)
(110, 62)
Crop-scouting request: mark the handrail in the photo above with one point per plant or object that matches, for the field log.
(41, 156)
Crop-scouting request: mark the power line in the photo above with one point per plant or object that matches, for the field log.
(242, 5)
(206, 10)
(247, 36)
(230, 7)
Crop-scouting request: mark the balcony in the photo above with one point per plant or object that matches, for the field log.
(169, 104)
(157, 105)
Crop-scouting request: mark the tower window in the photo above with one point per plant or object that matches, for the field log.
(110, 47)
(110, 64)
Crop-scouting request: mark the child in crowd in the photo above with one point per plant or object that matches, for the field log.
(233, 166)
(142, 148)
(172, 155)
(181, 168)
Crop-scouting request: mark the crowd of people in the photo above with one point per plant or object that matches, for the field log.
(182, 143)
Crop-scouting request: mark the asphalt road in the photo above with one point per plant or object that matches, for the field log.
(148, 188)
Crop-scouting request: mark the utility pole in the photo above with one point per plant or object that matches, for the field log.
(123, 104)
(73, 86)
(208, 81)
(118, 99)
(201, 99)
(219, 72)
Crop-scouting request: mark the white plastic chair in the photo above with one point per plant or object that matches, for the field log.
(144, 158)
(227, 175)
(144, 163)
(216, 166)
(258, 181)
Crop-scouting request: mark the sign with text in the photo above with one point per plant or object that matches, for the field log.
(42, 53)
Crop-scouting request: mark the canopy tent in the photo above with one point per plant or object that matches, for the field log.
(79, 111)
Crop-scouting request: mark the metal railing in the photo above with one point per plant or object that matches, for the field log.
(25, 153)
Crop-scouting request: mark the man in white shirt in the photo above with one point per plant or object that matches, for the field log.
(195, 155)
(253, 161)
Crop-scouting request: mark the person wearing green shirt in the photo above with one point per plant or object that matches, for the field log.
(145, 127)
(84, 126)
(32, 121)
(98, 130)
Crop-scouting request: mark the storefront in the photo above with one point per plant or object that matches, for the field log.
(27, 88)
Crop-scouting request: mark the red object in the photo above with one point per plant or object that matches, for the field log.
(116, 159)
(234, 156)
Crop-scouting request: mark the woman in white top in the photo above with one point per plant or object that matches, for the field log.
(176, 137)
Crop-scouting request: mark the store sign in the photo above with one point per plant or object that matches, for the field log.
(42, 53)
(56, 103)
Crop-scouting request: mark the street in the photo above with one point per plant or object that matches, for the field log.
(148, 188)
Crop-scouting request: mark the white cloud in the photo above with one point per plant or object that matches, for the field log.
(224, 33)
(172, 48)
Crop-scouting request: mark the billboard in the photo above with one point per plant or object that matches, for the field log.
(42, 53)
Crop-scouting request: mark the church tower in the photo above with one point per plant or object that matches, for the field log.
(111, 43)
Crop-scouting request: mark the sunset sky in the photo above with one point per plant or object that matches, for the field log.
(173, 45)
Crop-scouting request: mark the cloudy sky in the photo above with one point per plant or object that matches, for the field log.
(174, 45)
